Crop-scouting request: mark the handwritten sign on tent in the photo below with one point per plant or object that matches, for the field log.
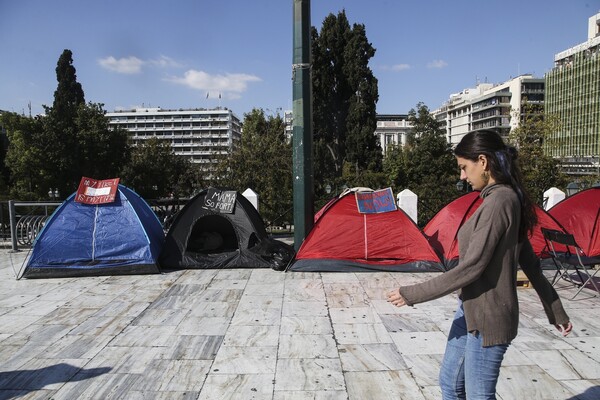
(379, 201)
(92, 191)
(221, 201)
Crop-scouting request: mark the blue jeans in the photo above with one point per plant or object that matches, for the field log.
(469, 370)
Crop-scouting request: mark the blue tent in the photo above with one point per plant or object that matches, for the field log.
(122, 237)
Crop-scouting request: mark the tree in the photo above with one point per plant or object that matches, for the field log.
(24, 159)
(154, 170)
(68, 96)
(540, 171)
(71, 141)
(59, 144)
(103, 151)
(345, 94)
(430, 165)
(394, 168)
(4, 171)
(362, 147)
(262, 162)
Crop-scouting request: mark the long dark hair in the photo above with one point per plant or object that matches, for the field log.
(504, 168)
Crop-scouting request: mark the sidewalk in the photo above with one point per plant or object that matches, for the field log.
(263, 334)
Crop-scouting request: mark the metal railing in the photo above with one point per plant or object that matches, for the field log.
(25, 227)
(27, 218)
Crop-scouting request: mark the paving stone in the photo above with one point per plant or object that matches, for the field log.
(263, 334)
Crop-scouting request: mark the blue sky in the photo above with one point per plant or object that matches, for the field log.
(173, 53)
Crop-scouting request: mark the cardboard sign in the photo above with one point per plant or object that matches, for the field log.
(92, 191)
(379, 201)
(221, 201)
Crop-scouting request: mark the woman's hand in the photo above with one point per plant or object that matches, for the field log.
(396, 298)
(565, 329)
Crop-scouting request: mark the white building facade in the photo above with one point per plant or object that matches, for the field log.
(487, 106)
(458, 112)
(197, 134)
(392, 130)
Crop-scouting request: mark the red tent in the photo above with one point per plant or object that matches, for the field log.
(442, 229)
(344, 239)
(578, 214)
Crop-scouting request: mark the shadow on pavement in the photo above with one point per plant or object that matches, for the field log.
(18, 383)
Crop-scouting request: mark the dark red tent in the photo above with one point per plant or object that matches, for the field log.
(343, 239)
(578, 214)
(442, 229)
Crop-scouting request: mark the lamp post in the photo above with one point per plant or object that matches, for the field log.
(53, 194)
(302, 140)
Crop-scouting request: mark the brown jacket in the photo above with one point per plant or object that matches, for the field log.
(490, 252)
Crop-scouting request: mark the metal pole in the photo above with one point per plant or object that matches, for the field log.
(13, 225)
(302, 124)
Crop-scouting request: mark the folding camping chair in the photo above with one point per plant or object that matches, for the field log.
(572, 258)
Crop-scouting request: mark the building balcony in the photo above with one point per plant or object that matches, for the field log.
(485, 117)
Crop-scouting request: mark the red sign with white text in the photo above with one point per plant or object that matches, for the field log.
(92, 191)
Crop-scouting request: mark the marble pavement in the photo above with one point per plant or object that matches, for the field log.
(262, 334)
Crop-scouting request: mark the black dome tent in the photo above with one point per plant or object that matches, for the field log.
(220, 228)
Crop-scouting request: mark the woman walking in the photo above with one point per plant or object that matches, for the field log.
(492, 243)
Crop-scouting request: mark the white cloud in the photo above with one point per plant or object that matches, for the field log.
(396, 67)
(230, 84)
(400, 67)
(129, 65)
(165, 62)
(133, 65)
(437, 64)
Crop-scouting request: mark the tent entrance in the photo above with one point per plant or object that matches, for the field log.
(212, 234)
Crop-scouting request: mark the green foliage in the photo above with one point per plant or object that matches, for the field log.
(394, 168)
(194, 179)
(24, 157)
(39, 158)
(71, 141)
(345, 94)
(154, 170)
(69, 93)
(355, 177)
(59, 143)
(103, 152)
(540, 171)
(263, 163)
(585, 181)
(429, 164)
(74, 140)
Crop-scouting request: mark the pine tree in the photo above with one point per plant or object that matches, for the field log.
(71, 141)
(68, 95)
(345, 95)
(60, 144)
